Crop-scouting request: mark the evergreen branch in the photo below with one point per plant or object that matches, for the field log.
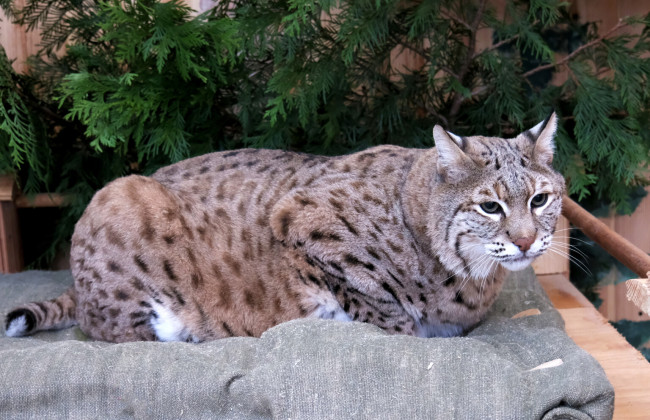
(495, 46)
(578, 50)
(422, 53)
(481, 89)
(149, 83)
(432, 111)
(456, 19)
(471, 50)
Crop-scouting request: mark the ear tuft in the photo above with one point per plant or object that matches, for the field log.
(543, 135)
(453, 163)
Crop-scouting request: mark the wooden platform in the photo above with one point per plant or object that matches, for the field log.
(626, 368)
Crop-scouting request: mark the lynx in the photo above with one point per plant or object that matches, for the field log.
(232, 243)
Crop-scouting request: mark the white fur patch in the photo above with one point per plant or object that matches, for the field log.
(539, 246)
(327, 307)
(517, 265)
(17, 327)
(167, 326)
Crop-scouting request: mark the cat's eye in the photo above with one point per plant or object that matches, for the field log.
(490, 207)
(539, 200)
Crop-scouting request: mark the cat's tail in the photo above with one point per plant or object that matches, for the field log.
(37, 316)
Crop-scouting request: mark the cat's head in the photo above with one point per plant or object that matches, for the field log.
(501, 199)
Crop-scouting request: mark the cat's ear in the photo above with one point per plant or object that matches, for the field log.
(453, 163)
(543, 135)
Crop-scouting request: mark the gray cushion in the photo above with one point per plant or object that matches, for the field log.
(307, 369)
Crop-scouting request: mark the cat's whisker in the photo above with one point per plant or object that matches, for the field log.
(588, 243)
(466, 267)
(571, 252)
(468, 247)
(568, 229)
(480, 293)
(571, 258)
(477, 261)
(480, 299)
(565, 229)
(569, 247)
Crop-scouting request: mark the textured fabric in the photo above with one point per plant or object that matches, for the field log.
(307, 369)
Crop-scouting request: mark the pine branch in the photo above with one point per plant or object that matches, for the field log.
(471, 50)
(456, 19)
(495, 46)
(578, 50)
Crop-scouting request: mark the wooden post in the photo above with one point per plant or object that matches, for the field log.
(11, 250)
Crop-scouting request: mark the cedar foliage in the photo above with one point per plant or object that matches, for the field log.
(141, 84)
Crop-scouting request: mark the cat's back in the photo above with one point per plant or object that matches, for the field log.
(279, 167)
(246, 179)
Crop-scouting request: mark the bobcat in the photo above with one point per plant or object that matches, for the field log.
(232, 243)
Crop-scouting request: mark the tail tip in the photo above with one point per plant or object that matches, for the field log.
(20, 322)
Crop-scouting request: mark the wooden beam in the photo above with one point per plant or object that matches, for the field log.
(8, 188)
(11, 250)
(42, 200)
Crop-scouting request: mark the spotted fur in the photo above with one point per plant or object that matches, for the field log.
(233, 243)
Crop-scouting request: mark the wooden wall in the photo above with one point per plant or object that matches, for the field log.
(17, 43)
(636, 229)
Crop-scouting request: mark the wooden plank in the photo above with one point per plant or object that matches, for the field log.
(18, 43)
(41, 200)
(562, 293)
(626, 368)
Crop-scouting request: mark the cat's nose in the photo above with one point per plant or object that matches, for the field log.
(524, 243)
